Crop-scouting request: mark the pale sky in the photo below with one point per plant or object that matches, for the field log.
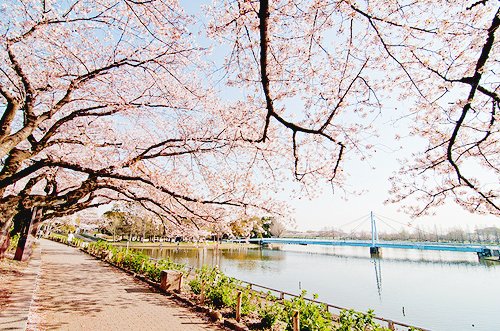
(330, 210)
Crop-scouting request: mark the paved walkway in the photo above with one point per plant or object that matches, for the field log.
(77, 292)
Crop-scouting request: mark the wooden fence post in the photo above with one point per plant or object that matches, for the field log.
(296, 320)
(238, 306)
(202, 294)
(181, 279)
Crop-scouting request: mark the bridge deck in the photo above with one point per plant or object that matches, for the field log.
(381, 244)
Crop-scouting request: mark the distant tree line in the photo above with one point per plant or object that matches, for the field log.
(126, 221)
(488, 235)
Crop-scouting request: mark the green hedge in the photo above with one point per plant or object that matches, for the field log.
(133, 261)
(220, 292)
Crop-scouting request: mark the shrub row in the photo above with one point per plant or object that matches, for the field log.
(133, 261)
(75, 242)
(220, 291)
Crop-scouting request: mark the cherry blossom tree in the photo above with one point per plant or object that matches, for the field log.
(112, 100)
(318, 69)
(101, 102)
(277, 228)
(450, 62)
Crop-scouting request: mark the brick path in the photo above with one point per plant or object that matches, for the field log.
(77, 292)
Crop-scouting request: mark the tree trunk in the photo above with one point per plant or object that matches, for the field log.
(30, 221)
(4, 243)
(7, 212)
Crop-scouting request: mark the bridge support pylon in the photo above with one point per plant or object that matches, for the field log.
(375, 251)
(486, 252)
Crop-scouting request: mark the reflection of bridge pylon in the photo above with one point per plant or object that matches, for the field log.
(378, 276)
(375, 250)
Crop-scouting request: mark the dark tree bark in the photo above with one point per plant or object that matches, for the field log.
(26, 224)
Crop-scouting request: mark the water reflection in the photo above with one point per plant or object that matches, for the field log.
(245, 258)
(198, 257)
(402, 255)
(378, 276)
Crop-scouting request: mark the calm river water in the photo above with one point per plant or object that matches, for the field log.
(433, 290)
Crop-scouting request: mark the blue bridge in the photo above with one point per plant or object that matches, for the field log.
(376, 246)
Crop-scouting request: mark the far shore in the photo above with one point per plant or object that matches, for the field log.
(208, 245)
